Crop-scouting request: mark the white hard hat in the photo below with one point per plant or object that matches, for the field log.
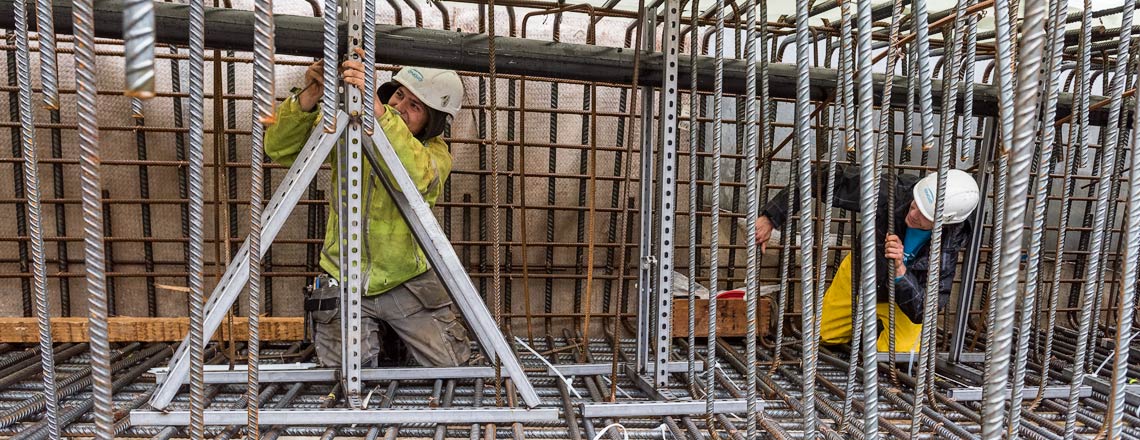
(962, 196)
(439, 89)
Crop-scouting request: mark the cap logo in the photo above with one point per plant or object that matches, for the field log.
(929, 195)
(415, 73)
(445, 100)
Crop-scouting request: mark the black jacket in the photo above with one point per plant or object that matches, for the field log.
(910, 289)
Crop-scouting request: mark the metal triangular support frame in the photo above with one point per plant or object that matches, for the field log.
(424, 226)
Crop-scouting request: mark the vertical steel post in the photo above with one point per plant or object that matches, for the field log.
(973, 250)
(667, 135)
(646, 263)
(350, 165)
(35, 221)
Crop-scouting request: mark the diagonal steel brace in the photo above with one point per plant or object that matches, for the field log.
(302, 172)
(443, 258)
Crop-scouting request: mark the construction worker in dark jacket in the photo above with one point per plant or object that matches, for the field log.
(909, 247)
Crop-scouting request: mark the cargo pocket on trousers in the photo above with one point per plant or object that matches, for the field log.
(323, 304)
(454, 334)
(428, 289)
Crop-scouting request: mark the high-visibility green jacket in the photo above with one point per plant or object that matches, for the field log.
(390, 252)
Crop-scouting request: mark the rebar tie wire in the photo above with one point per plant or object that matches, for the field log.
(34, 211)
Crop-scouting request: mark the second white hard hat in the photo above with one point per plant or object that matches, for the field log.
(961, 198)
(439, 89)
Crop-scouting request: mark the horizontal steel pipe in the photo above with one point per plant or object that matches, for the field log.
(228, 29)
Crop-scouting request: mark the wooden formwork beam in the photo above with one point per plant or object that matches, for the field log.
(138, 329)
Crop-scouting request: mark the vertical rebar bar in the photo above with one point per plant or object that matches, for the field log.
(1114, 417)
(49, 70)
(368, 44)
(329, 93)
(1100, 220)
(714, 233)
(138, 47)
(86, 107)
(196, 157)
(934, 270)
(694, 188)
(869, 206)
(1020, 153)
(1040, 203)
(35, 222)
(752, 270)
(263, 91)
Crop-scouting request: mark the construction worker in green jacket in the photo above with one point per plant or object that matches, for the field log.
(403, 292)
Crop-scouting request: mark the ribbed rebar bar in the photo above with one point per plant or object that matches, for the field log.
(751, 292)
(887, 154)
(35, 221)
(196, 156)
(869, 206)
(90, 182)
(263, 98)
(1115, 417)
(329, 93)
(1100, 219)
(1040, 203)
(1020, 153)
(714, 233)
(49, 70)
(368, 44)
(138, 47)
(845, 92)
(694, 269)
(934, 270)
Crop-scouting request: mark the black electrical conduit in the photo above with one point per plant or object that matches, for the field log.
(229, 29)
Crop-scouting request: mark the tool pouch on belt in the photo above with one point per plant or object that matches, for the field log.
(323, 303)
(428, 289)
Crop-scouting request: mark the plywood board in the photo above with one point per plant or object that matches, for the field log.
(731, 317)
